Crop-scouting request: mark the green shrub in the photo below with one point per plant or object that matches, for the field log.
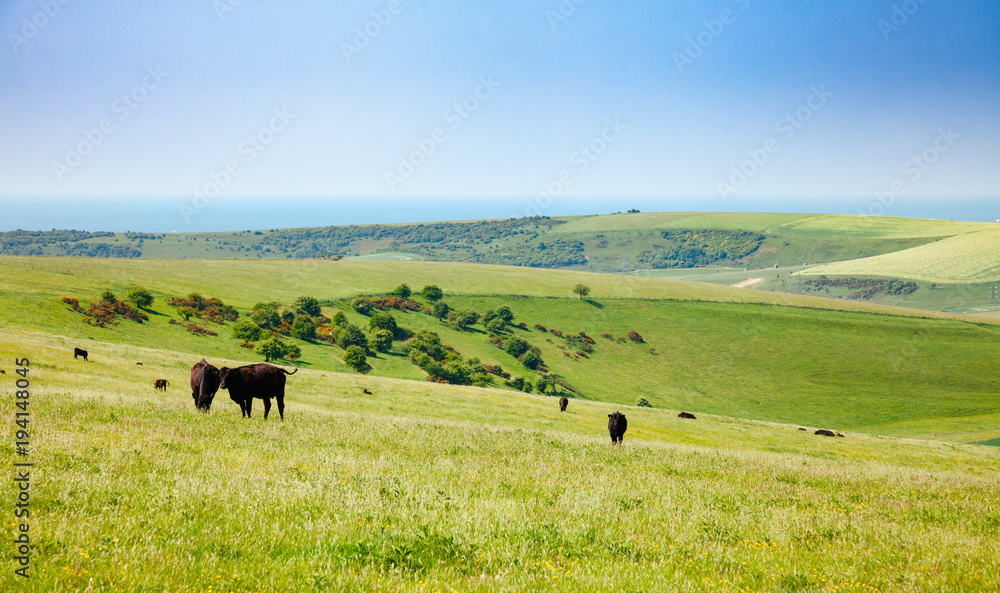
(246, 330)
(356, 358)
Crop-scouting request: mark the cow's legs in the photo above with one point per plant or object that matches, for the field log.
(281, 406)
(267, 407)
(248, 404)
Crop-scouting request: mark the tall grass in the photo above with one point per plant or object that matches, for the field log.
(423, 487)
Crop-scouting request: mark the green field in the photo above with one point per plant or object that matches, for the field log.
(967, 258)
(424, 487)
(429, 487)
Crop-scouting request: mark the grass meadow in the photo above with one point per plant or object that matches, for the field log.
(425, 487)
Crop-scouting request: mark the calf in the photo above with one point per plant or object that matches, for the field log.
(686, 415)
(617, 425)
(261, 381)
(77, 352)
(563, 402)
(366, 392)
(824, 433)
(161, 384)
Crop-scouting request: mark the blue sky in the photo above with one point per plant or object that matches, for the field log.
(570, 99)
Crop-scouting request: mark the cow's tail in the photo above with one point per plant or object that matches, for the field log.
(165, 382)
(287, 373)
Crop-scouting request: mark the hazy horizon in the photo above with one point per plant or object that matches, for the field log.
(234, 214)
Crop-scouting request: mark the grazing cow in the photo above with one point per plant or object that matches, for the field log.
(617, 425)
(139, 363)
(824, 433)
(803, 430)
(80, 352)
(686, 415)
(3, 372)
(161, 384)
(204, 383)
(840, 435)
(261, 381)
(366, 392)
(563, 402)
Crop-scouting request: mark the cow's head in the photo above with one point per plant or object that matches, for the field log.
(224, 374)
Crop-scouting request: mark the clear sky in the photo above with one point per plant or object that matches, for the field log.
(717, 102)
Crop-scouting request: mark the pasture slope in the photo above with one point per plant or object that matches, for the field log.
(425, 487)
(814, 360)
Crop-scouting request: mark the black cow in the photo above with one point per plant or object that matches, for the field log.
(204, 383)
(366, 392)
(261, 381)
(77, 352)
(824, 433)
(686, 415)
(563, 402)
(617, 425)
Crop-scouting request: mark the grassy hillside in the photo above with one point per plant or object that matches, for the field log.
(817, 361)
(967, 258)
(424, 487)
(606, 243)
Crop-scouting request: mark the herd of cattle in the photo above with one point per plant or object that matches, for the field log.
(267, 382)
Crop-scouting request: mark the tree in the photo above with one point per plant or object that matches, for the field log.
(582, 290)
(351, 335)
(432, 293)
(140, 297)
(496, 326)
(545, 382)
(304, 328)
(271, 349)
(246, 330)
(441, 310)
(381, 340)
(186, 313)
(383, 320)
(402, 291)
(362, 305)
(339, 320)
(643, 403)
(530, 361)
(464, 318)
(505, 314)
(515, 347)
(266, 315)
(356, 358)
(109, 296)
(292, 351)
(308, 305)
(489, 316)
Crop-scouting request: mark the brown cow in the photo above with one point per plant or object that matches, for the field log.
(77, 352)
(161, 384)
(204, 383)
(261, 381)
(617, 425)
(687, 415)
(563, 402)
(824, 433)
